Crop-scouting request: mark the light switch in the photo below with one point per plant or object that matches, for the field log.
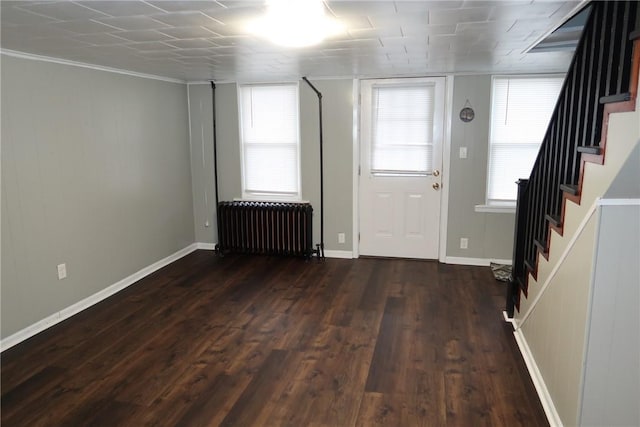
(62, 271)
(463, 152)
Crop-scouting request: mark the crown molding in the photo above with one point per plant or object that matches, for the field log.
(34, 57)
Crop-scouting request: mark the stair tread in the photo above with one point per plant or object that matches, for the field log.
(590, 149)
(529, 264)
(555, 220)
(569, 188)
(540, 245)
(618, 97)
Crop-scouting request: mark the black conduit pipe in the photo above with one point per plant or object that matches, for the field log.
(320, 250)
(215, 160)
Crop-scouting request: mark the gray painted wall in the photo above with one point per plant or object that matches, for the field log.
(611, 387)
(95, 174)
(626, 185)
(202, 177)
(490, 234)
(337, 110)
(338, 130)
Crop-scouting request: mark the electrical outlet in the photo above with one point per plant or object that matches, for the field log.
(340, 237)
(463, 152)
(62, 271)
(464, 243)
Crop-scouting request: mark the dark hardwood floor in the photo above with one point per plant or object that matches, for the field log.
(239, 341)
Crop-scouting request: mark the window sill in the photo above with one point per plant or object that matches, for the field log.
(495, 209)
(268, 199)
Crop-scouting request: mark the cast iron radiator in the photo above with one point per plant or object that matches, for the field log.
(271, 228)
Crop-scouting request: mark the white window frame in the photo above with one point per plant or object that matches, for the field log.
(269, 196)
(503, 206)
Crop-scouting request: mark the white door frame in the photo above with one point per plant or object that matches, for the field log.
(446, 160)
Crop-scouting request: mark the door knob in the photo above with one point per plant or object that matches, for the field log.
(436, 186)
(436, 172)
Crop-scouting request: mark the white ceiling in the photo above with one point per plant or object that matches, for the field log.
(206, 40)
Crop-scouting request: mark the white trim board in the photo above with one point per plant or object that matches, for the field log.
(446, 164)
(329, 253)
(355, 161)
(482, 262)
(618, 202)
(206, 246)
(541, 388)
(34, 57)
(87, 302)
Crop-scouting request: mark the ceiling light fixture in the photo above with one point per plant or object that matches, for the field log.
(295, 23)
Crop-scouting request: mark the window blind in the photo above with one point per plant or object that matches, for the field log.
(520, 113)
(402, 129)
(270, 140)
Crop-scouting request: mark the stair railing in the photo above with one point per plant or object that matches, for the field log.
(600, 73)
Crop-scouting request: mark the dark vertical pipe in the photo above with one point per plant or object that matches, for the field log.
(321, 249)
(215, 159)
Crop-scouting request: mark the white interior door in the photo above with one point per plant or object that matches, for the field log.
(401, 136)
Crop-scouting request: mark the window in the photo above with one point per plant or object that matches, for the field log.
(270, 141)
(521, 108)
(402, 128)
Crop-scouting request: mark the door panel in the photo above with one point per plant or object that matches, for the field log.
(414, 212)
(384, 218)
(400, 208)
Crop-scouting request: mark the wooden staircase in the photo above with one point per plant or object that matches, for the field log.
(602, 80)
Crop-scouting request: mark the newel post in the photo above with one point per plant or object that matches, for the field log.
(518, 268)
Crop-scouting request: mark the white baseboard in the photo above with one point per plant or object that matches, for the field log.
(327, 253)
(338, 254)
(206, 246)
(483, 262)
(543, 393)
(65, 313)
(508, 319)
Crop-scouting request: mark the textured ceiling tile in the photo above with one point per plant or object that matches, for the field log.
(414, 21)
(120, 7)
(132, 23)
(100, 39)
(155, 46)
(239, 4)
(407, 6)
(430, 29)
(370, 33)
(143, 36)
(231, 41)
(186, 5)
(455, 16)
(197, 52)
(192, 43)
(187, 32)
(63, 11)
(226, 30)
(38, 31)
(383, 38)
(160, 54)
(83, 27)
(184, 19)
(10, 13)
(346, 8)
